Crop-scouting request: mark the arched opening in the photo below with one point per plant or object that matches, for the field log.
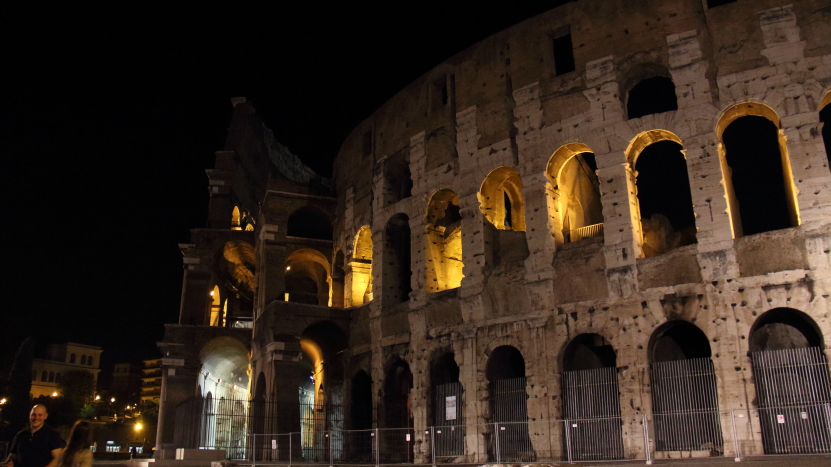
(591, 397)
(361, 443)
(216, 318)
(398, 418)
(443, 242)
(684, 395)
(307, 278)
(825, 119)
(447, 411)
(757, 170)
(235, 219)
(575, 193)
(236, 268)
(505, 371)
(307, 222)
(396, 272)
(361, 268)
(651, 96)
(398, 183)
(664, 198)
(223, 379)
(503, 205)
(321, 390)
(338, 281)
(793, 391)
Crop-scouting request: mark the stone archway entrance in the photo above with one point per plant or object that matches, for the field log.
(509, 405)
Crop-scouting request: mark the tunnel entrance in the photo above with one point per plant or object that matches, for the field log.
(447, 414)
(397, 438)
(793, 391)
(591, 399)
(360, 445)
(684, 395)
(505, 371)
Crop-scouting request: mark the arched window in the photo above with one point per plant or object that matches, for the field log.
(216, 317)
(790, 372)
(756, 169)
(235, 219)
(590, 394)
(447, 410)
(398, 183)
(663, 192)
(44, 376)
(397, 413)
(83, 359)
(311, 223)
(502, 203)
(574, 196)
(51, 376)
(651, 96)
(360, 269)
(307, 274)
(443, 242)
(72, 358)
(684, 395)
(505, 371)
(396, 272)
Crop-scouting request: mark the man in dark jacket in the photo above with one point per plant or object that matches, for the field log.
(35, 446)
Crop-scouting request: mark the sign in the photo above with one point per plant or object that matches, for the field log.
(574, 425)
(173, 361)
(450, 408)
(273, 444)
(408, 437)
(804, 415)
(780, 419)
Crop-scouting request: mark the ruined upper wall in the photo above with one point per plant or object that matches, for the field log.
(633, 32)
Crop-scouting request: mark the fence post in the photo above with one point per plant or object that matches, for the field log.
(496, 442)
(253, 447)
(331, 452)
(646, 439)
(568, 441)
(289, 448)
(738, 454)
(433, 444)
(377, 449)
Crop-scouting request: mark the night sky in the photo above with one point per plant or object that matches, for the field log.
(111, 113)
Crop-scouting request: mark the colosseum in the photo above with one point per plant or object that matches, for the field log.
(603, 233)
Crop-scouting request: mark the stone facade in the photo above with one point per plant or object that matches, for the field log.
(503, 104)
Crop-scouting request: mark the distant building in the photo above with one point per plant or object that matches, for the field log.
(126, 382)
(151, 381)
(57, 360)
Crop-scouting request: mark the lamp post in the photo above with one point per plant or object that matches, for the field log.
(137, 427)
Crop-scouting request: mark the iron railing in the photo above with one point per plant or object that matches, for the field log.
(589, 231)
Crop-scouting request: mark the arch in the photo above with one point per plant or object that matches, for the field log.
(224, 367)
(240, 266)
(756, 168)
(44, 376)
(397, 411)
(323, 342)
(683, 388)
(574, 198)
(446, 405)
(443, 242)
(235, 219)
(398, 181)
(790, 372)
(501, 201)
(644, 139)
(784, 328)
(83, 359)
(216, 318)
(360, 269)
(51, 376)
(307, 277)
(505, 362)
(505, 371)
(72, 358)
(825, 119)
(651, 95)
(591, 394)
(309, 222)
(397, 273)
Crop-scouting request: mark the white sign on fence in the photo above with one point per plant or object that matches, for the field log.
(804, 415)
(273, 444)
(780, 419)
(408, 437)
(450, 408)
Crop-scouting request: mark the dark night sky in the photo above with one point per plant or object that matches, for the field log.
(111, 113)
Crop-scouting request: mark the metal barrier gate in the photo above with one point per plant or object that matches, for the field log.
(591, 407)
(685, 406)
(449, 436)
(793, 394)
(509, 405)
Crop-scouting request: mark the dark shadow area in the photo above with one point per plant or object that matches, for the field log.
(398, 182)
(651, 96)
(505, 362)
(589, 352)
(678, 340)
(665, 200)
(752, 147)
(825, 118)
(309, 223)
(396, 272)
(361, 398)
(784, 328)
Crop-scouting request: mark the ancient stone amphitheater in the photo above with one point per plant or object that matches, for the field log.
(603, 233)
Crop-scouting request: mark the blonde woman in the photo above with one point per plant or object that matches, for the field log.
(77, 453)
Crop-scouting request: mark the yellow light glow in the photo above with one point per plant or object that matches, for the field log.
(54, 394)
(97, 397)
(112, 399)
(3, 401)
(138, 427)
(288, 268)
(212, 293)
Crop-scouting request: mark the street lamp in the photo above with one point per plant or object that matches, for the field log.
(112, 399)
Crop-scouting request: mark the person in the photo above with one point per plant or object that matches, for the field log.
(35, 446)
(77, 453)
